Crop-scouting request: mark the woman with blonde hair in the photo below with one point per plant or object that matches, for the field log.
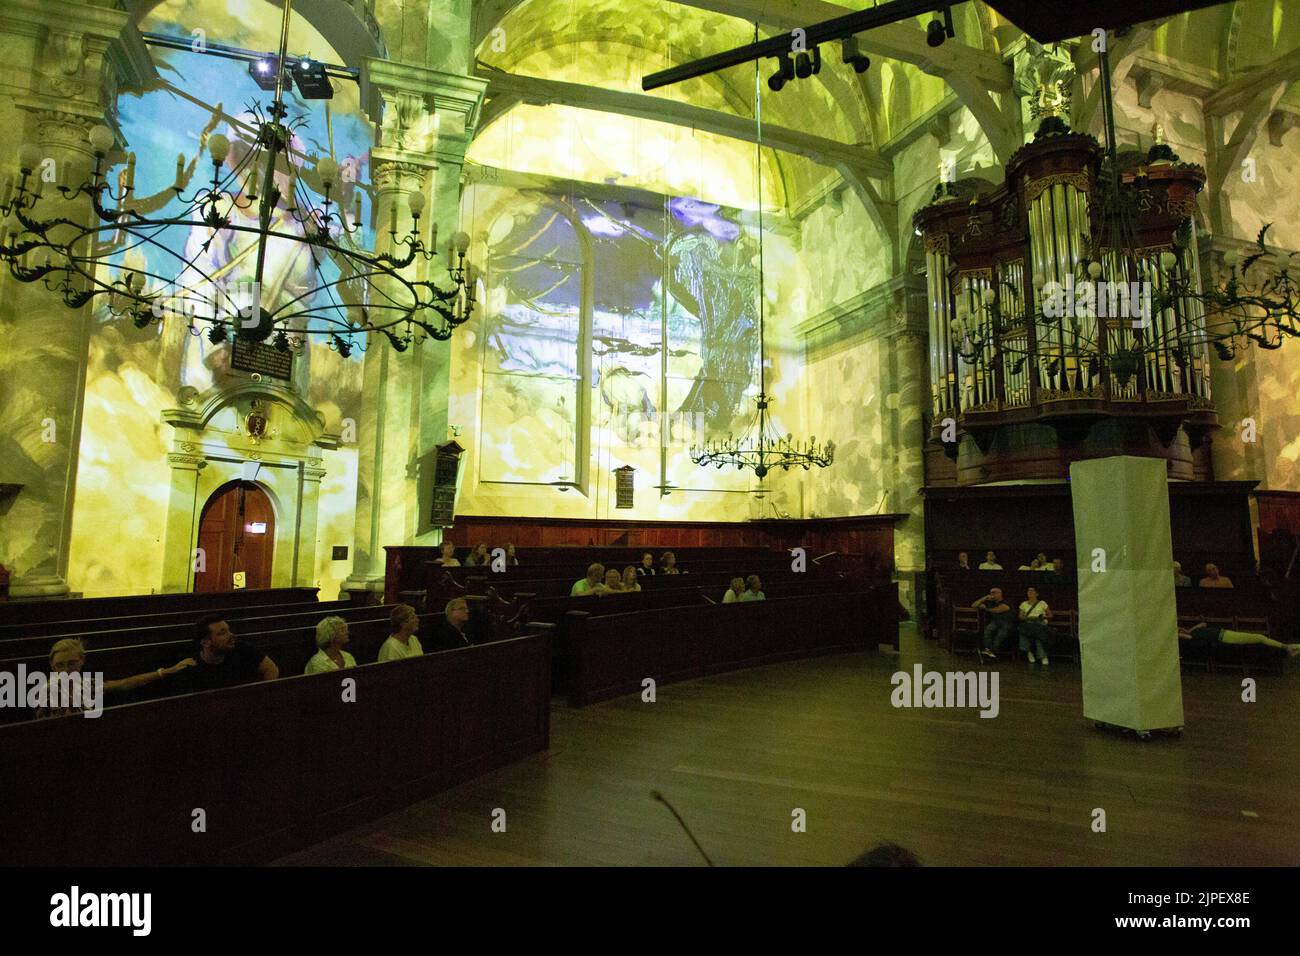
(630, 582)
(68, 656)
(331, 638)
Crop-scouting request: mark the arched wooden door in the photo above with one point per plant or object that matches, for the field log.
(237, 534)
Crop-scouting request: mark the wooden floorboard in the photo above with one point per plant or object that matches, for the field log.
(737, 752)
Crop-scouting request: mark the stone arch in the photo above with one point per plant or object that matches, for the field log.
(216, 440)
(348, 26)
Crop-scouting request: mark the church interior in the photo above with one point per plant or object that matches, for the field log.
(649, 433)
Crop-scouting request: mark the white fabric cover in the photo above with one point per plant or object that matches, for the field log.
(1128, 623)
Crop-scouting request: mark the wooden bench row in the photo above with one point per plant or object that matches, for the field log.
(609, 655)
(968, 623)
(27, 612)
(267, 768)
(442, 587)
(103, 631)
(406, 566)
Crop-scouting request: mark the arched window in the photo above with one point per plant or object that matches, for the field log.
(614, 330)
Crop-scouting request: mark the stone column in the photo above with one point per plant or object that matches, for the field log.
(907, 347)
(182, 523)
(69, 56)
(428, 118)
(304, 570)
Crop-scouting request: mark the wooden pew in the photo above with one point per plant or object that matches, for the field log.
(82, 609)
(274, 767)
(611, 654)
(405, 565)
(289, 646)
(111, 631)
(958, 589)
(182, 618)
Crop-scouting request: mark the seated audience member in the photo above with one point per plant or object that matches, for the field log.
(1057, 567)
(1031, 566)
(331, 638)
(963, 561)
(224, 662)
(448, 557)
(1034, 615)
(735, 591)
(479, 557)
(1041, 558)
(68, 656)
(630, 583)
(886, 854)
(592, 584)
(1210, 634)
(990, 562)
(1213, 579)
(998, 628)
(402, 643)
(613, 581)
(753, 589)
(450, 632)
(512, 560)
(1181, 580)
(669, 561)
(646, 568)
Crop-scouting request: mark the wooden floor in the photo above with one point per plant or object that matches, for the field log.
(737, 753)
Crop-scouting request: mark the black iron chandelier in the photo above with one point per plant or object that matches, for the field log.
(46, 236)
(759, 447)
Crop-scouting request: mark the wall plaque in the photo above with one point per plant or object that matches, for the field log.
(624, 487)
(248, 356)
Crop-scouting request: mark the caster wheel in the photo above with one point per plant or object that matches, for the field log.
(1143, 735)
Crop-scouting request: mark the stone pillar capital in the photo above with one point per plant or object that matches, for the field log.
(424, 111)
(86, 53)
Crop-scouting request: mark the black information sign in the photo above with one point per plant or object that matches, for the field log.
(624, 486)
(248, 356)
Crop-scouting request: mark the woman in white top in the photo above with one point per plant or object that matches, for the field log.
(331, 638)
(402, 643)
(1034, 615)
(735, 591)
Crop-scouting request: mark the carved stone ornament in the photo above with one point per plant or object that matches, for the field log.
(256, 421)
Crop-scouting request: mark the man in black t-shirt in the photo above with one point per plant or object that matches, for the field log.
(450, 632)
(222, 661)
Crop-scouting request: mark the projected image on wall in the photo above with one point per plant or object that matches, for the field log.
(206, 95)
(634, 319)
(133, 375)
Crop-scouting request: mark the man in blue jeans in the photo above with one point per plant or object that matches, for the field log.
(1000, 623)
